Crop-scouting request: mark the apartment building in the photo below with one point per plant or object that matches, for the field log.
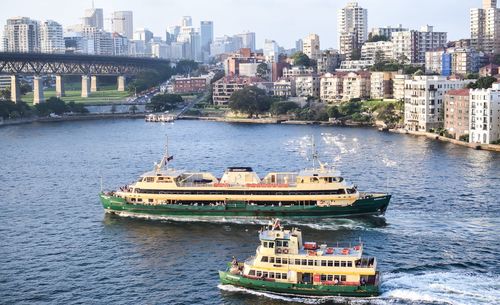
(456, 112)
(381, 85)
(307, 85)
(385, 49)
(224, 87)
(356, 85)
(484, 119)
(332, 87)
(412, 45)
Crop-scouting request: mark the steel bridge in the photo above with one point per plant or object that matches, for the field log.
(88, 66)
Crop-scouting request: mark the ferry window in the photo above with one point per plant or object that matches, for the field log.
(278, 275)
(330, 263)
(323, 263)
(259, 273)
(132, 199)
(342, 264)
(310, 262)
(323, 277)
(271, 245)
(150, 179)
(297, 262)
(271, 275)
(278, 243)
(342, 278)
(337, 264)
(330, 278)
(285, 244)
(304, 262)
(251, 272)
(150, 200)
(265, 244)
(283, 276)
(284, 261)
(349, 264)
(139, 199)
(271, 260)
(336, 277)
(264, 259)
(278, 260)
(265, 274)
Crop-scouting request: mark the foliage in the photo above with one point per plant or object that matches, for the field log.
(250, 100)
(262, 69)
(482, 83)
(279, 108)
(25, 88)
(58, 106)
(13, 110)
(391, 66)
(147, 79)
(497, 142)
(333, 112)
(193, 112)
(76, 108)
(164, 102)
(5, 94)
(356, 54)
(186, 66)
(311, 114)
(301, 59)
(133, 109)
(376, 38)
(472, 76)
(464, 138)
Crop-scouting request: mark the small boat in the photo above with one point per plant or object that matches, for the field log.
(159, 118)
(283, 263)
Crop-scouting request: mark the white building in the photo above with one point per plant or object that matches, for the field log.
(434, 61)
(369, 50)
(297, 71)
(485, 27)
(123, 23)
(306, 86)
(356, 85)
(311, 46)
(387, 31)
(398, 86)
(382, 85)
(484, 110)
(94, 18)
(248, 69)
(424, 101)
(352, 28)
(120, 45)
(412, 45)
(331, 87)
(355, 65)
(51, 37)
(21, 34)
(271, 50)
(283, 88)
(328, 61)
(103, 41)
(247, 40)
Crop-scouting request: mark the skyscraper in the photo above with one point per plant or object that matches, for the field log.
(271, 50)
(207, 35)
(186, 21)
(352, 28)
(94, 17)
(21, 34)
(485, 27)
(311, 46)
(123, 23)
(51, 37)
(247, 40)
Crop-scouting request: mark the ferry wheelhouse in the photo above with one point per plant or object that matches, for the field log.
(316, 192)
(283, 263)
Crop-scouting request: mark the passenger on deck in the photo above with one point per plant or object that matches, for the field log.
(362, 281)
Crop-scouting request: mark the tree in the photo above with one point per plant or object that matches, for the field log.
(186, 66)
(25, 88)
(250, 100)
(5, 94)
(52, 105)
(333, 112)
(77, 108)
(376, 38)
(262, 69)
(356, 54)
(278, 108)
(10, 109)
(164, 102)
(482, 83)
(301, 59)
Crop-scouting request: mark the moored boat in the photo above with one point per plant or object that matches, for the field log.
(283, 263)
(319, 192)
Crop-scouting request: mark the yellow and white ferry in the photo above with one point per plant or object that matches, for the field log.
(283, 263)
(318, 192)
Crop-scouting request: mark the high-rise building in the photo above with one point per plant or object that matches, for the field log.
(485, 27)
(311, 46)
(123, 23)
(352, 29)
(299, 45)
(103, 43)
(387, 31)
(186, 21)
(207, 36)
(410, 46)
(94, 18)
(247, 40)
(51, 37)
(21, 34)
(143, 34)
(271, 50)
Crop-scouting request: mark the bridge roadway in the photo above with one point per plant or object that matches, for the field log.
(88, 66)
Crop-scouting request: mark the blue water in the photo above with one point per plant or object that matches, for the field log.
(438, 243)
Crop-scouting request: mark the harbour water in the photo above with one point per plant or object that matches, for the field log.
(438, 243)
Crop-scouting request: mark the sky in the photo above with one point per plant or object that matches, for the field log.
(282, 20)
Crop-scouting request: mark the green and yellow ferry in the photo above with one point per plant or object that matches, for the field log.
(319, 192)
(284, 264)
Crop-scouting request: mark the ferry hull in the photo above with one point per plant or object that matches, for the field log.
(368, 206)
(299, 289)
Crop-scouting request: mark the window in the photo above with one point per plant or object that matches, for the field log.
(265, 244)
(310, 262)
(330, 278)
(285, 244)
(278, 275)
(278, 260)
(342, 264)
(349, 264)
(259, 273)
(330, 263)
(337, 263)
(271, 245)
(323, 263)
(342, 278)
(297, 261)
(304, 262)
(271, 260)
(265, 274)
(278, 243)
(283, 276)
(271, 275)
(284, 261)
(251, 272)
(264, 259)
(323, 277)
